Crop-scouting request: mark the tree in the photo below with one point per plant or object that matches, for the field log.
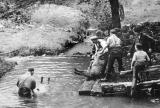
(101, 11)
(108, 13)
(115, 13)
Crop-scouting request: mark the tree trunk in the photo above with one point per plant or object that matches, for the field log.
(115, 13)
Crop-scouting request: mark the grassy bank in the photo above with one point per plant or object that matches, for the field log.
(52, 30)
(5, 66)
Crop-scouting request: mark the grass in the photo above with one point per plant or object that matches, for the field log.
(137, 11)
(53, 27)
(58, 16)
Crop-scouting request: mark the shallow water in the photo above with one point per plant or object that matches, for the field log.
(61, 92)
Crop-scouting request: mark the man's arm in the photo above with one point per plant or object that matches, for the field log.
(131, 50)
(33, 86)
(149, 47)
(147, 57)
(18, 83)
(93, 49)
(133, 61)
(107, 45)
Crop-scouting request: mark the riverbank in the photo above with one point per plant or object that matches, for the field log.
(6, 66)
(52, 30)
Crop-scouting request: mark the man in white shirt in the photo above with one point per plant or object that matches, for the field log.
(26, 84)
(113, 43)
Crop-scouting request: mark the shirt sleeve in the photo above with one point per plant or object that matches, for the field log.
(147, 57)
(108, 42)
(134, 57)
(131, 50)
(93, 49)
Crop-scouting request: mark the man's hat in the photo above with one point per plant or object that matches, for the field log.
(115, 30)
(93, 38)
(31, 69)
(92, 29)
(138, 44)
(99, 33)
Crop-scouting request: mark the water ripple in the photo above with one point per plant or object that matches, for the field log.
(61, 92)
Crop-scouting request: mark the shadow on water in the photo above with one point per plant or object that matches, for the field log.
(26, 102)
(61, 92)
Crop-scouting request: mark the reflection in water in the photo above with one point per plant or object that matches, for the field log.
(61, 92)
(26, 102)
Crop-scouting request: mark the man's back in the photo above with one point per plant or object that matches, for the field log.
(141, 56)
(27, 81)
(113, 41)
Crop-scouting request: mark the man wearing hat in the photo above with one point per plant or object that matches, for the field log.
(115, 51)
(98, 61)
(26, 84)
(98, 41)
(94, 40)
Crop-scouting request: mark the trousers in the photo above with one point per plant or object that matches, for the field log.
(24, 92)
(137, 68)
(115, 54)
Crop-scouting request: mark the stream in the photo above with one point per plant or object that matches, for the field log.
(62, 91)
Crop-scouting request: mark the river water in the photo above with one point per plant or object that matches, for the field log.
(62, 91)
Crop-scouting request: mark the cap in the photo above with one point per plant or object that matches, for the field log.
(92, 29)
(139, 44)
(93, 37)
(99, 33)
(31, 69)
(115, 30)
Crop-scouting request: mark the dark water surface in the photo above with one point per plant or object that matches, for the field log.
(61, 92)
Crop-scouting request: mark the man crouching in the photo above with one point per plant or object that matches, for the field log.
(26, 84)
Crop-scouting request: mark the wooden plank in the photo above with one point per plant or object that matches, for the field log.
(86, 87)
(149, 84)
(124, 87)
(154, 66)
(116, 88)
(150, 69)
(97, 89)
(125, 72)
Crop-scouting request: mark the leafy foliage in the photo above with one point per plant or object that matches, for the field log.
(98, 12)
(101, 11)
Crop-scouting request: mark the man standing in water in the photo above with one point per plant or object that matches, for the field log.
(115, 51)
(26, 84)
